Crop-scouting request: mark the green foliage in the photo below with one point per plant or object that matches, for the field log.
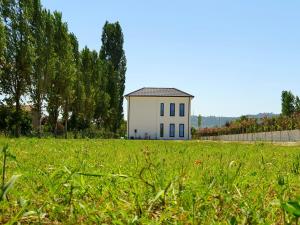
(288, 100)
(41, 63)
(8, 121)
(15, 79)
(150, 182)
(113, 55)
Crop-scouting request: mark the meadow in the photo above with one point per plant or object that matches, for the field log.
(148, 182)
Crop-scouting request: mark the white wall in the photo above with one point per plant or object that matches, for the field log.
(144, 116)
(282, 136)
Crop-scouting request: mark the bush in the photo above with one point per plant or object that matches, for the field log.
(8, 121)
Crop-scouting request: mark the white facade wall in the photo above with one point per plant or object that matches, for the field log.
(144, 117)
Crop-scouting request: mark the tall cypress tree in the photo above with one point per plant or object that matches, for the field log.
(15, 79)
(113, 54)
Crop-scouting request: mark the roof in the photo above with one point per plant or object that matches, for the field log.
(158, 92)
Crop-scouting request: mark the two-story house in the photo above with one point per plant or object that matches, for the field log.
(159, 113)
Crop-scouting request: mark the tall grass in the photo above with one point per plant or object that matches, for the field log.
(157, 182)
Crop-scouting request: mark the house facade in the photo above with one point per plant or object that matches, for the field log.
(159, 113)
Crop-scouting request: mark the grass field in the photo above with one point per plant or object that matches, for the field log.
(150, 182)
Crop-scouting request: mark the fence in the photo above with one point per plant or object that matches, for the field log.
(281, 136)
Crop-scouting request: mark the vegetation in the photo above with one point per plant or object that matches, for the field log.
(288, 120)
(41, 65)
(142, 182)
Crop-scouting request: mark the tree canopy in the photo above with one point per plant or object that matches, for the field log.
(42, 65)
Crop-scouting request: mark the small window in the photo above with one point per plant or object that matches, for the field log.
(172, 130)
(162, 109)
(161, 130)
(181, 130)
(181, 109)
(172, 109)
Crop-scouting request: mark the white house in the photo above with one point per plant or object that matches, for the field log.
(159, 113)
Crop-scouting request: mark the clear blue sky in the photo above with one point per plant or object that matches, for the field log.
(235, 56)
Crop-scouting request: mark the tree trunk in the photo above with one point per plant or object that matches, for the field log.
(66, 115)
(66, 128)
(55, 128)
(18, 111)
(39, 115)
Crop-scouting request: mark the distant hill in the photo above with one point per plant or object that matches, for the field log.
(215, 121)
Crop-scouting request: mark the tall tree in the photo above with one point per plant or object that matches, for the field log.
(15, 79)
(43, 63)
(61, 85)
(78, 101)
(113, 53)
(102, 112)
(88, 70)
(287, 103)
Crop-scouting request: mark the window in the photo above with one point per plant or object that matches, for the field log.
(172, 109)
(161, 130)
(181, 109)
(181, 130)
(172, 130)
(162, 109)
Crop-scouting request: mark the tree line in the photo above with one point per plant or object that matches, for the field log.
(289, 119)
(40, 63)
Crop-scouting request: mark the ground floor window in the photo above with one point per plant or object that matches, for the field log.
(172, 130)
(181, 130)
(161, 130)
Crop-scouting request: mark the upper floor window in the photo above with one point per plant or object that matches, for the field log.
(172, 130)
(181, 109)
(181, 130)
(172, 109)
(162, 109)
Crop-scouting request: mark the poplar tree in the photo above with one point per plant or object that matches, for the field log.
(78, 101)
(15, 79)
(113, 54)
(61, 90)
(43, 63)
(88, 67)
(102, 98)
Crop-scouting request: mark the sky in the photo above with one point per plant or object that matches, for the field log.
(235, 57)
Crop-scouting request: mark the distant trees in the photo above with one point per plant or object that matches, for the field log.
(199, 121)
(287, 100)
(290, 103)
(41, 64)
(288, 120)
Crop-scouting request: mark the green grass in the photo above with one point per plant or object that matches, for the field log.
(150, 182)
